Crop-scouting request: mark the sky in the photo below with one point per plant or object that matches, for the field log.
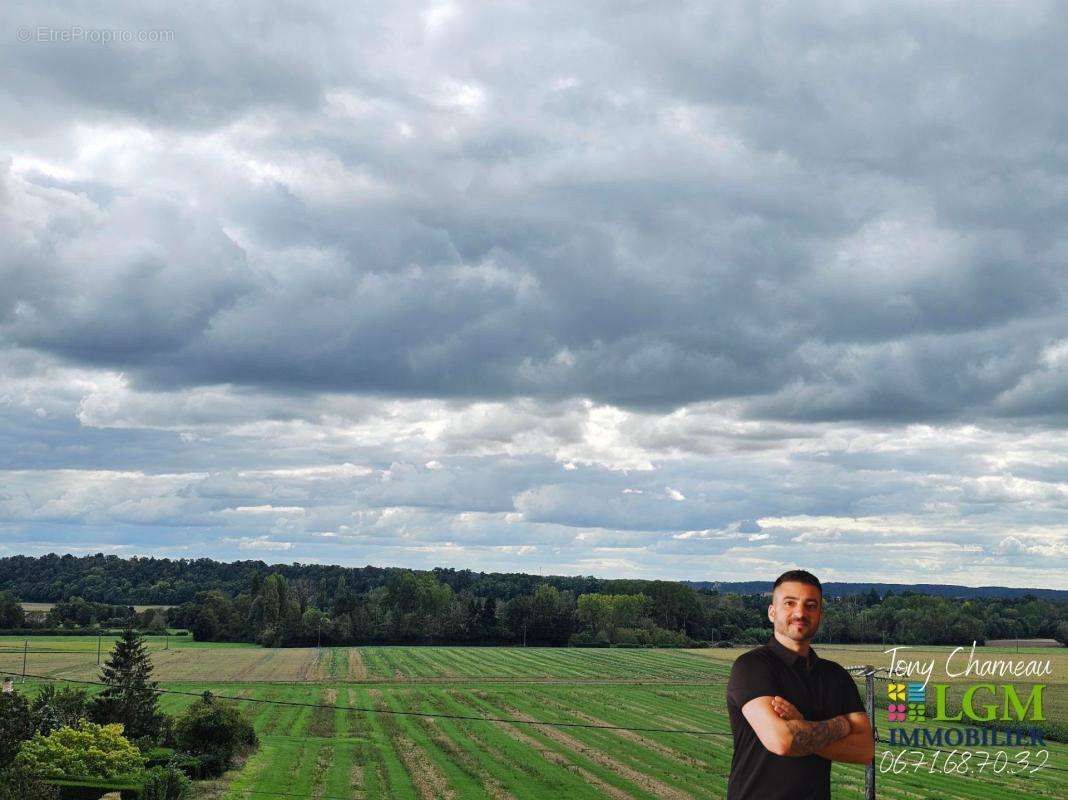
(667, 290)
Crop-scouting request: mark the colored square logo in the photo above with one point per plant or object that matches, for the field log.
(895, 692)
(917, 694)
(917, 712)
(896, 712)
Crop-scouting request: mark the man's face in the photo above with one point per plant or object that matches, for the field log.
(795, 610)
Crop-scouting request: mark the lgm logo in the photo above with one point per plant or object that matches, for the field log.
(980, 703)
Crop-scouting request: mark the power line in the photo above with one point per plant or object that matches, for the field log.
(364, 709)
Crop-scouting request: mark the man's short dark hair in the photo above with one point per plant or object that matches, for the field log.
(798, 576)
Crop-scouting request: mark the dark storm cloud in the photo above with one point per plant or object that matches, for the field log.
(830, 214)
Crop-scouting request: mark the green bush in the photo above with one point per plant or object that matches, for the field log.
(189, 765)
(91, 751)
(214, 732)
(53, 709)
(17, 784)
(166, 783)
(16, 725)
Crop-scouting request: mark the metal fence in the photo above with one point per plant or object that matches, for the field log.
(870, 674)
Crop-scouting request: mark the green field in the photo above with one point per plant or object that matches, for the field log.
(50, 606)
(339, 752)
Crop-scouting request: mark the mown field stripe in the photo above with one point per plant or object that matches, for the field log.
(640, 767)
(581, 782)
(428, 781)
(643, 753)
(514, 765)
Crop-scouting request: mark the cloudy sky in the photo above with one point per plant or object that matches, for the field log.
(685, 290)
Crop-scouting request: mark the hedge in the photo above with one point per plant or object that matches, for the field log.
(89, 789)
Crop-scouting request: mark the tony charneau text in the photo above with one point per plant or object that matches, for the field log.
(994, 722)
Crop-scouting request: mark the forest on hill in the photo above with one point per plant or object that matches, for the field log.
(301, 604)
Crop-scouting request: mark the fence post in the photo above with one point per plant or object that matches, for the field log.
(25, 649)
(869, 705)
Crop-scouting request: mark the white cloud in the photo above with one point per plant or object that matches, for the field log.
(259, 543)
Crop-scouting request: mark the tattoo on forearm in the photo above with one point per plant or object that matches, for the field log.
(812, 736)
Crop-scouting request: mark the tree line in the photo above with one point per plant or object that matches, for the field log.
(416, 608)
(301, 604)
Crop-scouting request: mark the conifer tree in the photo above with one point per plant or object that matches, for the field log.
(130, 697)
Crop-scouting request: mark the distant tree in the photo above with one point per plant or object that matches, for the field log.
(152, 620)
(91, 751)
(517, 617)
(206, 625)
(551, 615)
(313, 624)
(1062, 633)
(279, 614)
(344, 599)
(11, 613)
(130, 697)
(16, 725)
(488, 619)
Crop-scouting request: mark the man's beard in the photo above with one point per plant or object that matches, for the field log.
(801, 633)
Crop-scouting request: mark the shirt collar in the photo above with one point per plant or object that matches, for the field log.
(789, 657)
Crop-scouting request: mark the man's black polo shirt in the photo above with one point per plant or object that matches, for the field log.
(820, 689)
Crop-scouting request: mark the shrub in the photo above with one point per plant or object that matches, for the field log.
(16, 725)
(54, 709)
(17, 784)
(213, 731)
(166, 783)
(87, 789)
(91, 751)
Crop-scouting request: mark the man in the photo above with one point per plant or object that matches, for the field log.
(793, 713)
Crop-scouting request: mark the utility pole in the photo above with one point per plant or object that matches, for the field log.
(25, 650)
(869, 705)
(99, 635)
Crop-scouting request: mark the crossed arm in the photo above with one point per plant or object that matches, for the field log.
(782, 730)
